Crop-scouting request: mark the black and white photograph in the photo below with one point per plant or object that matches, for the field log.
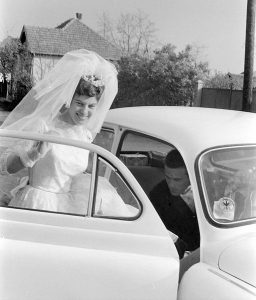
(127, 150)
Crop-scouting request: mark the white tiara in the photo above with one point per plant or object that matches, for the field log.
(93, 80)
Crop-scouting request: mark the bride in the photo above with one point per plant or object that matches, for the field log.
(71, 101)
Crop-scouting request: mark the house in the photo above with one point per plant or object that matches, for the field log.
(48, 45)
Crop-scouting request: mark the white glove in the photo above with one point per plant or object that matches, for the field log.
(30, 157)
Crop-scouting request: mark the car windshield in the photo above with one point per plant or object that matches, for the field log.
(228, 178)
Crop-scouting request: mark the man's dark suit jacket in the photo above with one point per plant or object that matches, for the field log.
(176, 215)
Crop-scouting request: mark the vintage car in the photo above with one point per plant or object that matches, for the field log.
(116, 246)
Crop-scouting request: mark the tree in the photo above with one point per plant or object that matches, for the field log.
(132, 80)
(15, 61)
(167, 78)
(133, 34)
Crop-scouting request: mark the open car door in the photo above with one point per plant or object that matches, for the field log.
(106, 243)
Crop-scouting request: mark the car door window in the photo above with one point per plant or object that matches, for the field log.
(144, 156)
(113, 198)
(60, 182)
(54, 182)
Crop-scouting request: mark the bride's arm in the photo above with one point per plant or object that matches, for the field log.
(12, 161)
(24, 154)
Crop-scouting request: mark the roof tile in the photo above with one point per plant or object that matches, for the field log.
(70, 35)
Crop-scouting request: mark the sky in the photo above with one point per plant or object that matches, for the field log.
(217, 27)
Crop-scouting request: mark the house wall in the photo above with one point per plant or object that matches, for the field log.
(41, 65)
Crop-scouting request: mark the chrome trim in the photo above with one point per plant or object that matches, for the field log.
(92, 185)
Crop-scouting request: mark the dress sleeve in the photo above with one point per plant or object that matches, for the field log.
(19, 147)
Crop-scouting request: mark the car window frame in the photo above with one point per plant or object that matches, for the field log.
(128, 131)
(95, 183)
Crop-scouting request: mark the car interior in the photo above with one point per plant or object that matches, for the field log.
(146, 166)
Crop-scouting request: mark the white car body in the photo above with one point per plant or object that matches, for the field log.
(61, 256)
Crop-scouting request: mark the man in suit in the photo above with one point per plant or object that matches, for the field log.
(173, 200)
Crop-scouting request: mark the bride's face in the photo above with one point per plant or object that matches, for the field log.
(81, 109)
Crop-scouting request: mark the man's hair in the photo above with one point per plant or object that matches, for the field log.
(174, 160)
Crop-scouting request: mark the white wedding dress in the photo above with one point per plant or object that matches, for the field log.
(57, 181)
(48, 186)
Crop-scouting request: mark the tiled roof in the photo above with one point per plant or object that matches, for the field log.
(70, 35)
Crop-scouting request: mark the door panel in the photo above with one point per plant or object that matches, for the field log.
(40, 271)
(56, 255)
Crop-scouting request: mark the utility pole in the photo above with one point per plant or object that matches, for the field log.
(249, 56)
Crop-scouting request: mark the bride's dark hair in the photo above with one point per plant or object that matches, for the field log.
(86, 87)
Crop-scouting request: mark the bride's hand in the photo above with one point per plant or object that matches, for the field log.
(38, 151)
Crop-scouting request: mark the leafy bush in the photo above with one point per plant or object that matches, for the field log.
(168, 78)
(16, 61)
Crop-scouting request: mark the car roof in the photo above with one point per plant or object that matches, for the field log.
(195, 128)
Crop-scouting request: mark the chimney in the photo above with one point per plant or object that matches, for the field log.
(79, 16)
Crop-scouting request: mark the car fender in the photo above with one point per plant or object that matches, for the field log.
(202, 282)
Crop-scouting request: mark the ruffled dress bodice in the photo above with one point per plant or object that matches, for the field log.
(55, 171)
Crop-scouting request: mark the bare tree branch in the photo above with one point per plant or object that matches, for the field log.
(132, 34)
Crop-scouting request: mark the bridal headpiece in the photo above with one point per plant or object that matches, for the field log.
(93, 80)
(57, 88)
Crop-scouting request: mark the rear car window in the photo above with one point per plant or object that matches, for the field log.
(228, 177)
